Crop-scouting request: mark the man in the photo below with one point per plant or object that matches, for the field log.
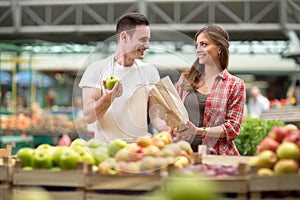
(257, 102)
(122, 111)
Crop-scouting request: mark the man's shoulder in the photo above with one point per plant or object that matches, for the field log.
(102, 61)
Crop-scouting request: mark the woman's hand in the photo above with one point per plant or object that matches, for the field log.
(191, 131)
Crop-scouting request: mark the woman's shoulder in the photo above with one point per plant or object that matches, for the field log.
(233, 78)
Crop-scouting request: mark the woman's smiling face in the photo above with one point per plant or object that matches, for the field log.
(207, 50)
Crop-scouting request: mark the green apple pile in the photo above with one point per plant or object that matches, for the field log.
(279, 152)
(46, 156)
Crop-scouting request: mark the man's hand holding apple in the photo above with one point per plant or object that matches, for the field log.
(113, 87)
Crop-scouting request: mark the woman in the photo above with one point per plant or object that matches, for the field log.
(213, 97)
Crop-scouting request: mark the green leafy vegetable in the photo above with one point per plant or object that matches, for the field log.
(253, 131)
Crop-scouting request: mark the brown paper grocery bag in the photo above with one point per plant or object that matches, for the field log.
(164, 93)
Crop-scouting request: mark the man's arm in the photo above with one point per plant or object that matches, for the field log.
(96, 103)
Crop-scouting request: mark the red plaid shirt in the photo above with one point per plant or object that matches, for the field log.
(224, 107)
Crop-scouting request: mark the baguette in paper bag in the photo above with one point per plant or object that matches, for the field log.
(164, 94)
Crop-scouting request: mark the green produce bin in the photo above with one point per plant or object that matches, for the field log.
(17, 142)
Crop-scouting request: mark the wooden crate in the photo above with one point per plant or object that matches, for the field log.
(5, 191)
(225, 160)
(45, 177)
(6, 169)
(288, 114)
(54, 195)
(92, 195)
(121, 186)
(275, 187)
(65, 184)
(122, 182)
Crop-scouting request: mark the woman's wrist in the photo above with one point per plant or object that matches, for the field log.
(202, 131)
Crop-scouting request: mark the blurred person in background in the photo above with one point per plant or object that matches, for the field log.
(214, 98)
(50, 97)
(257, 102)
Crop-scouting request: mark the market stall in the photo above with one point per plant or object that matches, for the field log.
(91, 169)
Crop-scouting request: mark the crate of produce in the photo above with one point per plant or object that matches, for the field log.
(6, 165)
(229, 173)
(275, 187)
(120, 186)
(61, 184)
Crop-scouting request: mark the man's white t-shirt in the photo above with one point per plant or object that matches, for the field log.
(126, 118)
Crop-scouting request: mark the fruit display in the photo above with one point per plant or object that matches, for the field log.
(146, 155)
(279, 152)
(52, 123)
(15, 122)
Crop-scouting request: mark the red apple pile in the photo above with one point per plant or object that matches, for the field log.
(279, 152)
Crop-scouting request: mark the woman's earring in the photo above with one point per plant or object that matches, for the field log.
(219, 55)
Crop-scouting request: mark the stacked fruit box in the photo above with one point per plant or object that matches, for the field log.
(120, 186)
(64, 184)
(230, 174)
(277, 165)
(234, 186)
(6, 169)
(275, 187)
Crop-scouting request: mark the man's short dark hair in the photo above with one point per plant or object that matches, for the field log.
(130, 21)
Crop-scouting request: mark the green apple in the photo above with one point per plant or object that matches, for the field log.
(27, 168)
(266, 159)
(84, 155)
(111, 81)
(46, 147)
(94, 143)
(182, 187)
(69, 159)
(115, 146)
(42, 159)
(58, 150)
(288, 150)
(87, 158)
(55, 169)
(25, 155)
(100, 154)
(78, 141)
